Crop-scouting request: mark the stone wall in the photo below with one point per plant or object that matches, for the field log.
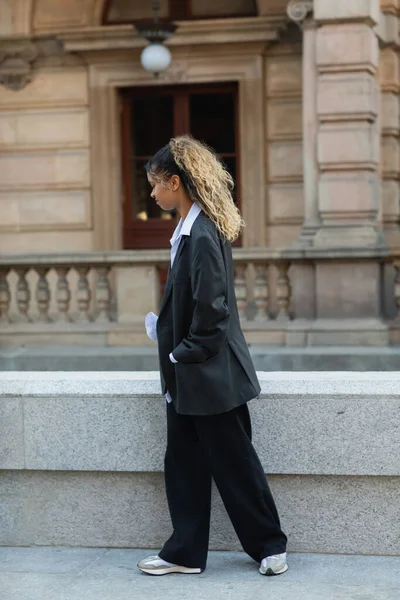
(45, 171)
(81, 460)
(284, 185)
(389, 70)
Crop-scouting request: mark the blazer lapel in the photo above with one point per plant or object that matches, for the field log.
(171, 273)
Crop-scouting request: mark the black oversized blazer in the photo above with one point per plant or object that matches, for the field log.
(199, 324)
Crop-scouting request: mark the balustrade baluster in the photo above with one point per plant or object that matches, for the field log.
(103, 294)
(283, 291)
(5, 297)
(23, 295)
(261, 294)
(83, 294)
(43, 294)
(241, 289)
(63, 294)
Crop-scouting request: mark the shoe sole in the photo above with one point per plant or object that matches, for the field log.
(269, 572)
(167, 570)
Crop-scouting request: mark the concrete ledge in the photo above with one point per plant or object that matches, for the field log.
(304, 423)
(81, 459)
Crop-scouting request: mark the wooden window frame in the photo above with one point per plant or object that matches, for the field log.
(141, 234)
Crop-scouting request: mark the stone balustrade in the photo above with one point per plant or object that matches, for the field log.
(109, 293)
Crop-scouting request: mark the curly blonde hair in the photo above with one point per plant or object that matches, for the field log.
(206, 180)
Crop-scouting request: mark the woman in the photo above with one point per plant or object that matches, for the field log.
(206, 371)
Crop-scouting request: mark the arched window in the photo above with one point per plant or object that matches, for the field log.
(127, 11)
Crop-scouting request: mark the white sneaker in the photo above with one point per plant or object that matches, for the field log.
(274, 565)
(154, 565)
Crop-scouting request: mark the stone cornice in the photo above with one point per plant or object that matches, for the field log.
(18, 55)
(216, 31)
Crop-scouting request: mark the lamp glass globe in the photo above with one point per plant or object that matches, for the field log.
(155, 58)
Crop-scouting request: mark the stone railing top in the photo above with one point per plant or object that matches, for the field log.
(275, 385)
(126, 257)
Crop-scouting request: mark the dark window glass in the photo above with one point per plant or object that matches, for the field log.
(152, 124)
(212, 120)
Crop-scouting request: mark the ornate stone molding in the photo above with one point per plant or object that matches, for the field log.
(189, 33)
(298, 10)
(18, 55)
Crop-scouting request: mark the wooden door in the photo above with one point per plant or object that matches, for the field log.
(150, 117)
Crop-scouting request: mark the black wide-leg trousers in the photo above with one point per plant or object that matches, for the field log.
(200, 448)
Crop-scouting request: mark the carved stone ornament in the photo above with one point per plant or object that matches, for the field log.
(17, 57)
(298, 10)
(177, 72)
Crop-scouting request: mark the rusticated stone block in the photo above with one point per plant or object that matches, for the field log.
(349, 193)
(348, 144)
(284, 118)
(390, 156)
(286, 203)
(49, 88)
(347, 94)
(28, 210)
(346, 45)
(41, 169)
(390, 113)
(285, 160)
(327, 10)
(43, 129)
(390, 200)
(284, 75)
(389, 69)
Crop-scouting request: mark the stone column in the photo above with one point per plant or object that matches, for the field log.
(389, 77)
(301, 13)
(341, 122)
(348, 123)
(341, 64)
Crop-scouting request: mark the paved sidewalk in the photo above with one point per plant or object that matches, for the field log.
(38, 573)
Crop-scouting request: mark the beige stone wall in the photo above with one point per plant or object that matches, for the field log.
(51, 15)
(390, 150)
(389, 78)
(6, 17)
(284, 185)
(45, 173)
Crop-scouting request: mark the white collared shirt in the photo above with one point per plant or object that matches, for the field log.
(184, 227)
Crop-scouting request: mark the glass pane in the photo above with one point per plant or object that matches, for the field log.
(152, 124)
(222, 7)
(126, 10)
(143, 206)
(212, 120)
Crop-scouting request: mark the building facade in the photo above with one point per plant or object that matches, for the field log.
(300, 99)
